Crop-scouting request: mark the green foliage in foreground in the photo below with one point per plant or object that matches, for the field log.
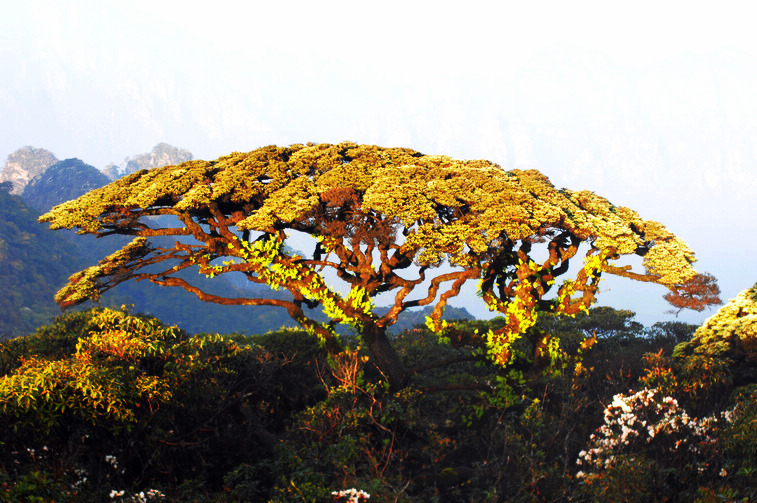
(104, 405)
(108, 399)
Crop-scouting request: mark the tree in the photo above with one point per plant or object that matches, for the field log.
(701, 292)
(671, 331)
(603, 322)
(384, 220)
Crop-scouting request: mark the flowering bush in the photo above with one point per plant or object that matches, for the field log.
(650, 435)
(140, 497)
(645, 418)
(352, 495)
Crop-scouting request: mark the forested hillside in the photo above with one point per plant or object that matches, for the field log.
(61, 182)
(34, 264)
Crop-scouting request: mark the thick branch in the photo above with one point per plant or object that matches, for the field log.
(453, 291)
(406, 287)
(204, 296)
(625, 271)
(433, 289)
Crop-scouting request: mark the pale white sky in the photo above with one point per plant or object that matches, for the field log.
(648, 103)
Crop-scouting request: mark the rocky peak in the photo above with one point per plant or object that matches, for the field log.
(162, 154)
(23, 165)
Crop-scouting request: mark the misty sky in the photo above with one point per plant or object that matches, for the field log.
(651, 104)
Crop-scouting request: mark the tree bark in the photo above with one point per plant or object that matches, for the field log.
(385, 357)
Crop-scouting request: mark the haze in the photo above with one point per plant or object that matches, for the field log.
(652, 106)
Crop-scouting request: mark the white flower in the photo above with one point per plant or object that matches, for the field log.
(355, 495)
(112, 461)
(627, 418)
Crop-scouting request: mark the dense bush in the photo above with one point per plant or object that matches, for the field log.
(123, 399)
(106, 405)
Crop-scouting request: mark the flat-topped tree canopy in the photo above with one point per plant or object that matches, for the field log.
(375, 212)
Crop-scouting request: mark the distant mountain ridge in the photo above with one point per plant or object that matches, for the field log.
(28, 163)
(161, 154)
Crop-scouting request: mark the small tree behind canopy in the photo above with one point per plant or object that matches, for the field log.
(384, 219)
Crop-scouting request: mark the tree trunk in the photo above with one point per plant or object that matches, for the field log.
(385, 357)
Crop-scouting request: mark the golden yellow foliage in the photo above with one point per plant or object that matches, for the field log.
(375, 211)
(280, 185)
(730, 334)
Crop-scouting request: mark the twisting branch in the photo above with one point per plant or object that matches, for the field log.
(433, 288)
(453, 291)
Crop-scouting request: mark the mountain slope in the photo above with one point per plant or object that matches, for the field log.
(61, 182)
(34, 264)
